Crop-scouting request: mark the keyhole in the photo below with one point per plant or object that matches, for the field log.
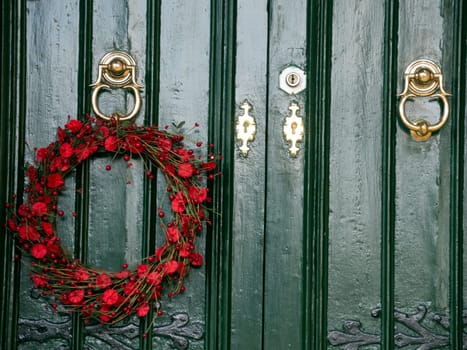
(292, 79)
(245, 127)
(294, 127)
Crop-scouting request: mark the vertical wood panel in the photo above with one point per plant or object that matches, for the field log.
(248, 178)
(52, 44)
(184, 91)
(283, 308)
(355, 163)
(421, 272)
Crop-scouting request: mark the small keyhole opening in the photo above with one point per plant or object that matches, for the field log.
(245, 127)
(292, 79)
(294, 127)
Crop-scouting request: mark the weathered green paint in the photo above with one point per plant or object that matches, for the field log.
(363, 217)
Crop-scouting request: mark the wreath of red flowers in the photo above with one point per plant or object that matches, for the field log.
(97, 294)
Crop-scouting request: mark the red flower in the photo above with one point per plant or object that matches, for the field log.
(47, 227)
(76, 296)
(74, 126)
(142, 310)
(55, 181)
(66, 151)
(84, 151)
(196, 259)
(104, 310)
(134, 144)
(122, 274)
(173, 234)
(12, 224)
(110, 297)
(130, 288)
(81, 274)
(42, 154)
(38, 251)
(198, 195)
(28, 232)
(171, 266)
(111, 143)
(209, 166)
(159, 252)
(154, 278)
(32, 173)
(169, 169)
(178, 204)
(142, 270)
(39, 281)
(185, 251)
(185, 170)
(103, 281)
(39, 209)
(164, 143)
(53, 249)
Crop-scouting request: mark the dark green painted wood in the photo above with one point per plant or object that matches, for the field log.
(221, 134)
(316, 183)
(12, 115)
(284, 266)
(388, 173)
(249, 173)
(457, 159)
(82, 175)
(151, 117)
(297, 245)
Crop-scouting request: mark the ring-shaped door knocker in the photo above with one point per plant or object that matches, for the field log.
(422, 79)
(421, 130)
(117, 69)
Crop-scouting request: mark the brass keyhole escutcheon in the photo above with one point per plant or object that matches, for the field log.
(246, 128)
(423, 78)
(294, 129)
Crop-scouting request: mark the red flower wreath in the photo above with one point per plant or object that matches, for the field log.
(96, 294)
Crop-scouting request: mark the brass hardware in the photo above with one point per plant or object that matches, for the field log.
(292, 80)
(117, 69)
(294, 129)
(423, 78)
(246, 127)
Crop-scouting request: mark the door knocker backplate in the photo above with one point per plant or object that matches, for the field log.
(117, 69)
(423, 78)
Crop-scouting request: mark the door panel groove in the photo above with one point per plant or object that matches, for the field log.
(459, 37)
(391, 16)
(82, 173)
(316, 183)
(151, 117)
(221, 120)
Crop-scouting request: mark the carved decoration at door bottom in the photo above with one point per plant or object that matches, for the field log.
(179, 331)
(353, 338)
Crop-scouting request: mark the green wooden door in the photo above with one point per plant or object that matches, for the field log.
(355, 242)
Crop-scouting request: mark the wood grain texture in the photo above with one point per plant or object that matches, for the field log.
(283, 308)
(355, 162)
(422, 267)
(249, 174)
